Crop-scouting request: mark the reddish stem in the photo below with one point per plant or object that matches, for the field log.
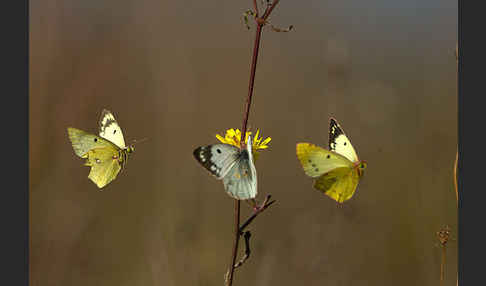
(256, 48)
(260, 23)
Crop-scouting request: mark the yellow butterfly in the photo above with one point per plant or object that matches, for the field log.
(338, 170)
(106, 154)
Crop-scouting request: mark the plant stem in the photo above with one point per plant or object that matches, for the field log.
(235, 243)
(442, 266)
(243, 144)
(260, 22)
(256, 48)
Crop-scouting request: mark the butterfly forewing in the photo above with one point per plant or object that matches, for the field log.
(110, 130)
(317, 161)
(218, 159)
(339, 142)
(83, 142)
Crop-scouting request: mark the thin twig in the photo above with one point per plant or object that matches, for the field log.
(269, 10)
(259, 210)
(255, 7)
(247, 236)
(442, 265)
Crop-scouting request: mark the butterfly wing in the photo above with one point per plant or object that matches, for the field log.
(110, 130)
(83, 142)
(339, 142)
(339, 184)
(105, 165)
(218, 159)
(241, 180)
(317, 161)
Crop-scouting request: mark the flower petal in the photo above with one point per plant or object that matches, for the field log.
(220, 138)
(265, 142)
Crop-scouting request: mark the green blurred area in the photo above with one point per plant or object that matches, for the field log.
(177, 73)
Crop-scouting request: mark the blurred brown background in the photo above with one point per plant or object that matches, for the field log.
(177, 72)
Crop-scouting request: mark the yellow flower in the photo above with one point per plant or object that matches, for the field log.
(233, 137)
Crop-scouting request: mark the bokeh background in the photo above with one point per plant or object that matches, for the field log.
(177, 72)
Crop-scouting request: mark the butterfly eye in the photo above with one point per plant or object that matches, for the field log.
(328, 156)
(96, 139)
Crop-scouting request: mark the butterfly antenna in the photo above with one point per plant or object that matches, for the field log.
(138, 141)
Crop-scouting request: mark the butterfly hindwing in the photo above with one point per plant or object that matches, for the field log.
(110, 130)
(105, 164)
(339, 142)
(317, 161)
(217, 158)
(339, 184)
(241, 180)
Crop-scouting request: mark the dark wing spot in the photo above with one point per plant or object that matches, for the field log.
(317, 169)
(328, 156)
(310, 161)
(114, 131)
(218, 150)
(96, 139)
(344, 143)
(314, 165)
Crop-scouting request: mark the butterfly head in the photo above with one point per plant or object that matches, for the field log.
(361, 166)
(130, 149)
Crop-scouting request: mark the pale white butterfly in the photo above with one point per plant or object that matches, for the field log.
(339, 143)
(233, 165)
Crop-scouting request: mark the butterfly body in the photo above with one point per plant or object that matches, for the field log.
(337, 171)
(232, 165)
(106, 154)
